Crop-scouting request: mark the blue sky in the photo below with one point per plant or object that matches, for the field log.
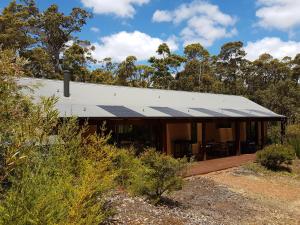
(136, 27)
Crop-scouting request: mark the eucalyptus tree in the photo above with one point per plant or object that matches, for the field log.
(266, 71)
(126, 70)
(196, 74)
(39, 64)
(230, 67)
(77, 59)
(282, 97)
(161, 76)
(39, 36)
(55, 29)
(17, 25)
(296, 69)
(165, 67)
(105, 72)
(143, 76)
(101, 76)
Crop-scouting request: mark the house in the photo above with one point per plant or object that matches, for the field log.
(175, 122)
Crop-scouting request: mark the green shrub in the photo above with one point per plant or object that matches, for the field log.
(61, 183)
(275, 156)
(274, 134)
(158, 174)
(293, 137)
(50, 173)
(125, 164)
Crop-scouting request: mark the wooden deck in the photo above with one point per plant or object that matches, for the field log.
(213, 165)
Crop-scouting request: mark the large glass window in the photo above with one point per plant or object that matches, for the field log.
(138, 136)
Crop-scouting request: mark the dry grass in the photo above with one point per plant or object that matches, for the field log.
(292, 171)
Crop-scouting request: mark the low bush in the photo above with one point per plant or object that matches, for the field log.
(274, 134)
(293, 137)
(158, 174)
(66, 182)
(50, 172)
(275, 156)
(125, 164)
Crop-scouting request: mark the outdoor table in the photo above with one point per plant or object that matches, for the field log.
(182, 148)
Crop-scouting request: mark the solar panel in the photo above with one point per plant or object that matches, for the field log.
(120, 111)
(171, 112)
(210, 112)
(262, 112)
(240, 112)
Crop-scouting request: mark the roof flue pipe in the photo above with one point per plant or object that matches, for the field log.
(67, 78)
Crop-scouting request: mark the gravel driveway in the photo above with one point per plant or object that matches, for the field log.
(224, 197)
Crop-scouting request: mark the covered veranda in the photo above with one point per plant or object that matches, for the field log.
(219, 137)
(200, 138)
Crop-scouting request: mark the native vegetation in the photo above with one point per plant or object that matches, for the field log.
(279, 156)
(293, 137)
(276, 156)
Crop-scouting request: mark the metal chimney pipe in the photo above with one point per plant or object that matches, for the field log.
(67, 78)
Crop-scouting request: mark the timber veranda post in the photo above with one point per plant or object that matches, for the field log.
(238, 137)
(203, 126)
(262, 134)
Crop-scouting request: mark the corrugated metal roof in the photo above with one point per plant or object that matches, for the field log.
(107, 101)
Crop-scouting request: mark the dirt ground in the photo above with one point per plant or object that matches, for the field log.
(282, 190)
(233, 196)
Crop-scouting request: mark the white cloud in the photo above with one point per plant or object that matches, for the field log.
(204, 22)
(272, 45)
(202, 29)
(162, 16)
(120, 45)
(120, 8)
(278, 14)
(95, 29)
